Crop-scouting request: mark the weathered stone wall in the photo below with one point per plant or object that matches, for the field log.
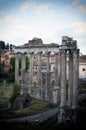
(48, 94)
(22, 101)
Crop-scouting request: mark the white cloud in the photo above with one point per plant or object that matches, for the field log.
(75, 2)
(42, 8)
(25, 6)
(13, 29)
(82, 9)
(38, 8)
(2, 12)
(7, 19)
(80, 28)
(82, 45)
(79, 33)
(78, 5)
(1, 21)
(43, 22)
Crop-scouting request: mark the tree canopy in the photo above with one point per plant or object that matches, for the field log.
(4, 46)
(10, 75)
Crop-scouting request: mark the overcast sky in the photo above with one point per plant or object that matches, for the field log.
(21, 20)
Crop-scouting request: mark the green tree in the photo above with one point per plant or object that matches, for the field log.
(3, 74)
(7, 46)
(12, 63)
(2, 45)
(11, 72)
(27, 62)
(15, 94)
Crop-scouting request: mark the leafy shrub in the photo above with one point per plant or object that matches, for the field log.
(15, 94)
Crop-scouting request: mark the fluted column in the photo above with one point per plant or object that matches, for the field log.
(16, 68)
(75, 77)
(31, 69)
(23, 68)
(63, 78)
(39, 69)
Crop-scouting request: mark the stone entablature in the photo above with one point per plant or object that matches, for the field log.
(39, 48)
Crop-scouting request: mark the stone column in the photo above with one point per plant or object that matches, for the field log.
(56, 69)
(63, 78)
(23, 67)
(47, 69)
(63, 85)
(16, 68)
(39, 75)
(57, 88)
(39, 69)
(31, 69)
(47, 74)
(70, 85)
(75, 78)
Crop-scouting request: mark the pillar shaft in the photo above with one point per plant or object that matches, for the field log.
(31, 69)
(75, 78)
(63, 78)
(16, 69)
(47, 69)
(56, 69)
(70, 86)
(39, 69)
(23, 68)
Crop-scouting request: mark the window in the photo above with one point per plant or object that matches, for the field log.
(83, 69)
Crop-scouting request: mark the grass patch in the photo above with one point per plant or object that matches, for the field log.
(35, 107)
(5, 93)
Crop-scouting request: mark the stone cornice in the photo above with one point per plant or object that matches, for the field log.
(36, 48)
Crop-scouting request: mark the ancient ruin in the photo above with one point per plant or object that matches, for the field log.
(60, 93)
